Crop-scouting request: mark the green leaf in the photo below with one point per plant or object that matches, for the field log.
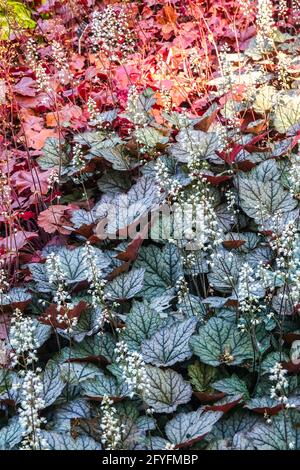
(21, 15)
(220, 342)
(188, 427)
(163, 268)
(232, 386)
(202, 376)
(104, 385)
(141, 323)
(166, 390)
(169, 345)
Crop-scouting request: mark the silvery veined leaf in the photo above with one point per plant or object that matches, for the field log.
(265, 171)
(166, 390)
(61, 417)
(113, 182)
(261, 200)
(92, 347)
(264, 99)
(232, 386)
(150, 136)
(186, 428)
(262, 403)
(42, 332)
(92, 138)
(82, 217)
(273, 358)
(230, 425)
(14, 296)
(221, 342)
(279, 435)
(72, 263)
(64, 441)
(141, 323)
(287, 112)
(104, 385)
(53, 384)
(126, 285)
(192, 306)
(163, 268)
(145, 188)
(11, 434)
(53, 155)
(169, 345)
(76, 373)
(225, 271)
(114, 155)
(190, 141)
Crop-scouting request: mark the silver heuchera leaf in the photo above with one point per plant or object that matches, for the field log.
(220, 342)
(61, 418)
(141, 322)
(280, 435)
(52, 155)
(52, 382)
(76, 373)
(104, 385)
(126, 285)
(64, 441)
(11, 435)
(163, 268)
(170, 344)
(166, 390)
(72, 263)
(188, 427)
(225, 272)
(261, 200)
(15, 295)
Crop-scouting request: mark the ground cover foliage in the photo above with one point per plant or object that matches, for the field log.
(150, 252)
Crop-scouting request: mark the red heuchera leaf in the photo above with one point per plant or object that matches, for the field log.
(50, 317)
(132, 250)
(27, 215)
(4, 326)
(34, 130)
(25, 87)
(55, 218)
(35, 180)
(230, 244)
(12, 244)
(225, 404)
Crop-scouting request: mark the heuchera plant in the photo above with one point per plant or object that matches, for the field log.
(149, 244)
